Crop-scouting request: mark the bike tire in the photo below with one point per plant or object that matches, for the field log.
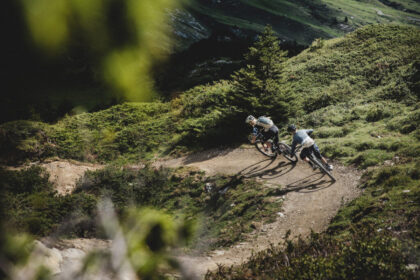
(286, 151)
(322, 167)
(260, 148)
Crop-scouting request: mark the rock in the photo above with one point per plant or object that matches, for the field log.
(219, 252)
(50, 258)
(255, 225)
(412, 266)
(209, 187)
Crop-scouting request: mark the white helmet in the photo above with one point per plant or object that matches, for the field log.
(250, 118)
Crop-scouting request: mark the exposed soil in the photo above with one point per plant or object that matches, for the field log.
(310, 199)
(64, 174)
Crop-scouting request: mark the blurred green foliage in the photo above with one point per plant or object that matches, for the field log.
(123, 38)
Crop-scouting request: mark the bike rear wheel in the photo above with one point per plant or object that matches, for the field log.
(286, 151)
(262, 149)
(321, 166)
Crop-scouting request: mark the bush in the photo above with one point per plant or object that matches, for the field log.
(30, 204)
(362, 256)
(377, 113)
(230, 207)
(370, 157)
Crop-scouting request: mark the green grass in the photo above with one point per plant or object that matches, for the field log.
(359, 93)
(223, 213)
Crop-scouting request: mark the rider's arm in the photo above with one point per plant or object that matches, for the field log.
(294, 143)
(309, 131)
(254, 134)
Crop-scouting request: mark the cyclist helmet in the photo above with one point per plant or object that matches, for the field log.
(249, 119)
(291, 128)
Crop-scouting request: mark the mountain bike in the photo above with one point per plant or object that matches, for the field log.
(317, 162)
(277, 148)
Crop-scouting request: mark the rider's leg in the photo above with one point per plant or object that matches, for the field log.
(304, 155)
(268, 146)
(318, 155)
(270, 136)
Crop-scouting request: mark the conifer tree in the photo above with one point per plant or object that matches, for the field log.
(258, 85)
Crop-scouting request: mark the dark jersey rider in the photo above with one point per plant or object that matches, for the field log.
(268, 129)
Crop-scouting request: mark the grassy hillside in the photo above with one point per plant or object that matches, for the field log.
(359, 92)
(305, 20)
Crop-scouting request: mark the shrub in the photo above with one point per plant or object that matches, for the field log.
(31, 205)
(377, 113)
(362, 256)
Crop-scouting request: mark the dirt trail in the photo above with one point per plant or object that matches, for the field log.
(310, 199)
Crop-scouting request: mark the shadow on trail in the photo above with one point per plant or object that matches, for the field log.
(267, 170)
(311, 183)
(208, 154)
(261, 170)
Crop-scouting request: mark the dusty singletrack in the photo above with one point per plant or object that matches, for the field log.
(311, 199)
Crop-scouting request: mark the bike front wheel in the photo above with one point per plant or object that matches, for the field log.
(322, 167)
(264, 150)
(286, 151)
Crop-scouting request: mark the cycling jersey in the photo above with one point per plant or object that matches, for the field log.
(302, 136)
(265, 122)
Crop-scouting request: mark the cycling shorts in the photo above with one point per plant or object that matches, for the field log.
(307, 151)
(272, 133)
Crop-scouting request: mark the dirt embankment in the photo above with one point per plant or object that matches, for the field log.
(64, 174)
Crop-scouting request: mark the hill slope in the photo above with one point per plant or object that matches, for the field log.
(360, 92)
(301, 21)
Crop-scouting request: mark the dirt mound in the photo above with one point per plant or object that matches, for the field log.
(65, 174)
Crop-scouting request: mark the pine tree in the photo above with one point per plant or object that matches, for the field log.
(258, 85)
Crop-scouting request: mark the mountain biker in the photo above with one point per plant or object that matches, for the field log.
(269, 130)
(302, 137)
